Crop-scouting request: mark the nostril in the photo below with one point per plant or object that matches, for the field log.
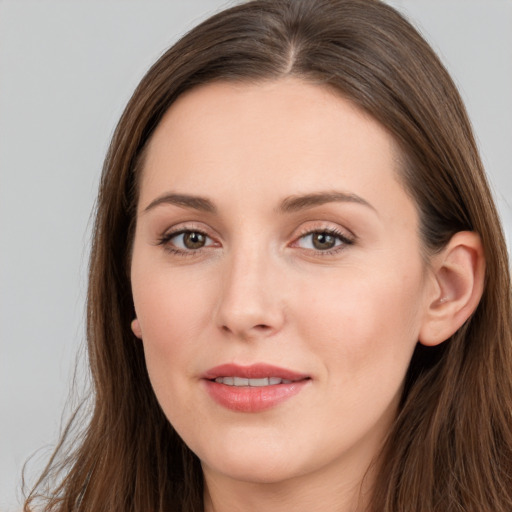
(255, 328)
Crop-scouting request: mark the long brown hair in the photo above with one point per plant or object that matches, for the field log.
(450, 448)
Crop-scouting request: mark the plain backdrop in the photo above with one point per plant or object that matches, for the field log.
(67, 68)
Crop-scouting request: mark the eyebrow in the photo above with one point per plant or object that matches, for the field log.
(297, 203)
(187, 201)
(289, 205)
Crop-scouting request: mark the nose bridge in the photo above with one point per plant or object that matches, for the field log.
(250, 302)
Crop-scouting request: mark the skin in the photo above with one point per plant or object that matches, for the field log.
(259, 291)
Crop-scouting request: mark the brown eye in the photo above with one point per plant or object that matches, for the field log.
(193, 240)
(323, 241)
(186, 241)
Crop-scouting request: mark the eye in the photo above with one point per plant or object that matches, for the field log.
(323, 240)
(190, 240)
(186, 240)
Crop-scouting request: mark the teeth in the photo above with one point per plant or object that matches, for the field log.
(253, 382)
(243, 382)
(239, 381)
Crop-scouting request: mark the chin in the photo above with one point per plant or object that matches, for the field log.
(263, 462)
(267, 472)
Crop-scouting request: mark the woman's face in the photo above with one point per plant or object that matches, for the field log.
(274, 243)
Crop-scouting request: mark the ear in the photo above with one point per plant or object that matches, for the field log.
(135, 325)
(458, 274)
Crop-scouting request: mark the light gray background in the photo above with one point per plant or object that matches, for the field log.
(66, 71)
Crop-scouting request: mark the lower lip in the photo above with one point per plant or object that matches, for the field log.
(252, 399)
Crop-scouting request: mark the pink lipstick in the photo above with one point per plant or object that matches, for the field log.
(252, 388)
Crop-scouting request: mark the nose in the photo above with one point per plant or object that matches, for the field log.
(251, 303)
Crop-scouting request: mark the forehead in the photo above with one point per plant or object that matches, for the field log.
(264, 139)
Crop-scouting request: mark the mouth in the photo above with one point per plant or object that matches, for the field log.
(252, 388)
(253, 383)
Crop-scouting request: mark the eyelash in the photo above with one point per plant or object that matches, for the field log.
(345, 241)
(166, 238)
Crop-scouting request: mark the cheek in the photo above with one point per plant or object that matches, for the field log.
(172, 311)
(170, 306)
(365, 323)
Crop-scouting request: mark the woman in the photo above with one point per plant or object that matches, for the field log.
(299, 294)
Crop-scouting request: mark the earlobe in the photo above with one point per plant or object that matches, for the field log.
(458, 271)
(135, 325)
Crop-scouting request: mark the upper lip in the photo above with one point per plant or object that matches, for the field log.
(253, 371)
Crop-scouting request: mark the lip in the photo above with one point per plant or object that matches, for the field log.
(254, 371)
(253, 399)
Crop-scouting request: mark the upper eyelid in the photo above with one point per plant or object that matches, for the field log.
(322, 226)
(332, 232)
(184, 227)
(343, 238)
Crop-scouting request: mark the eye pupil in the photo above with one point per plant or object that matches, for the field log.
(193, 240)
(322, 241)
